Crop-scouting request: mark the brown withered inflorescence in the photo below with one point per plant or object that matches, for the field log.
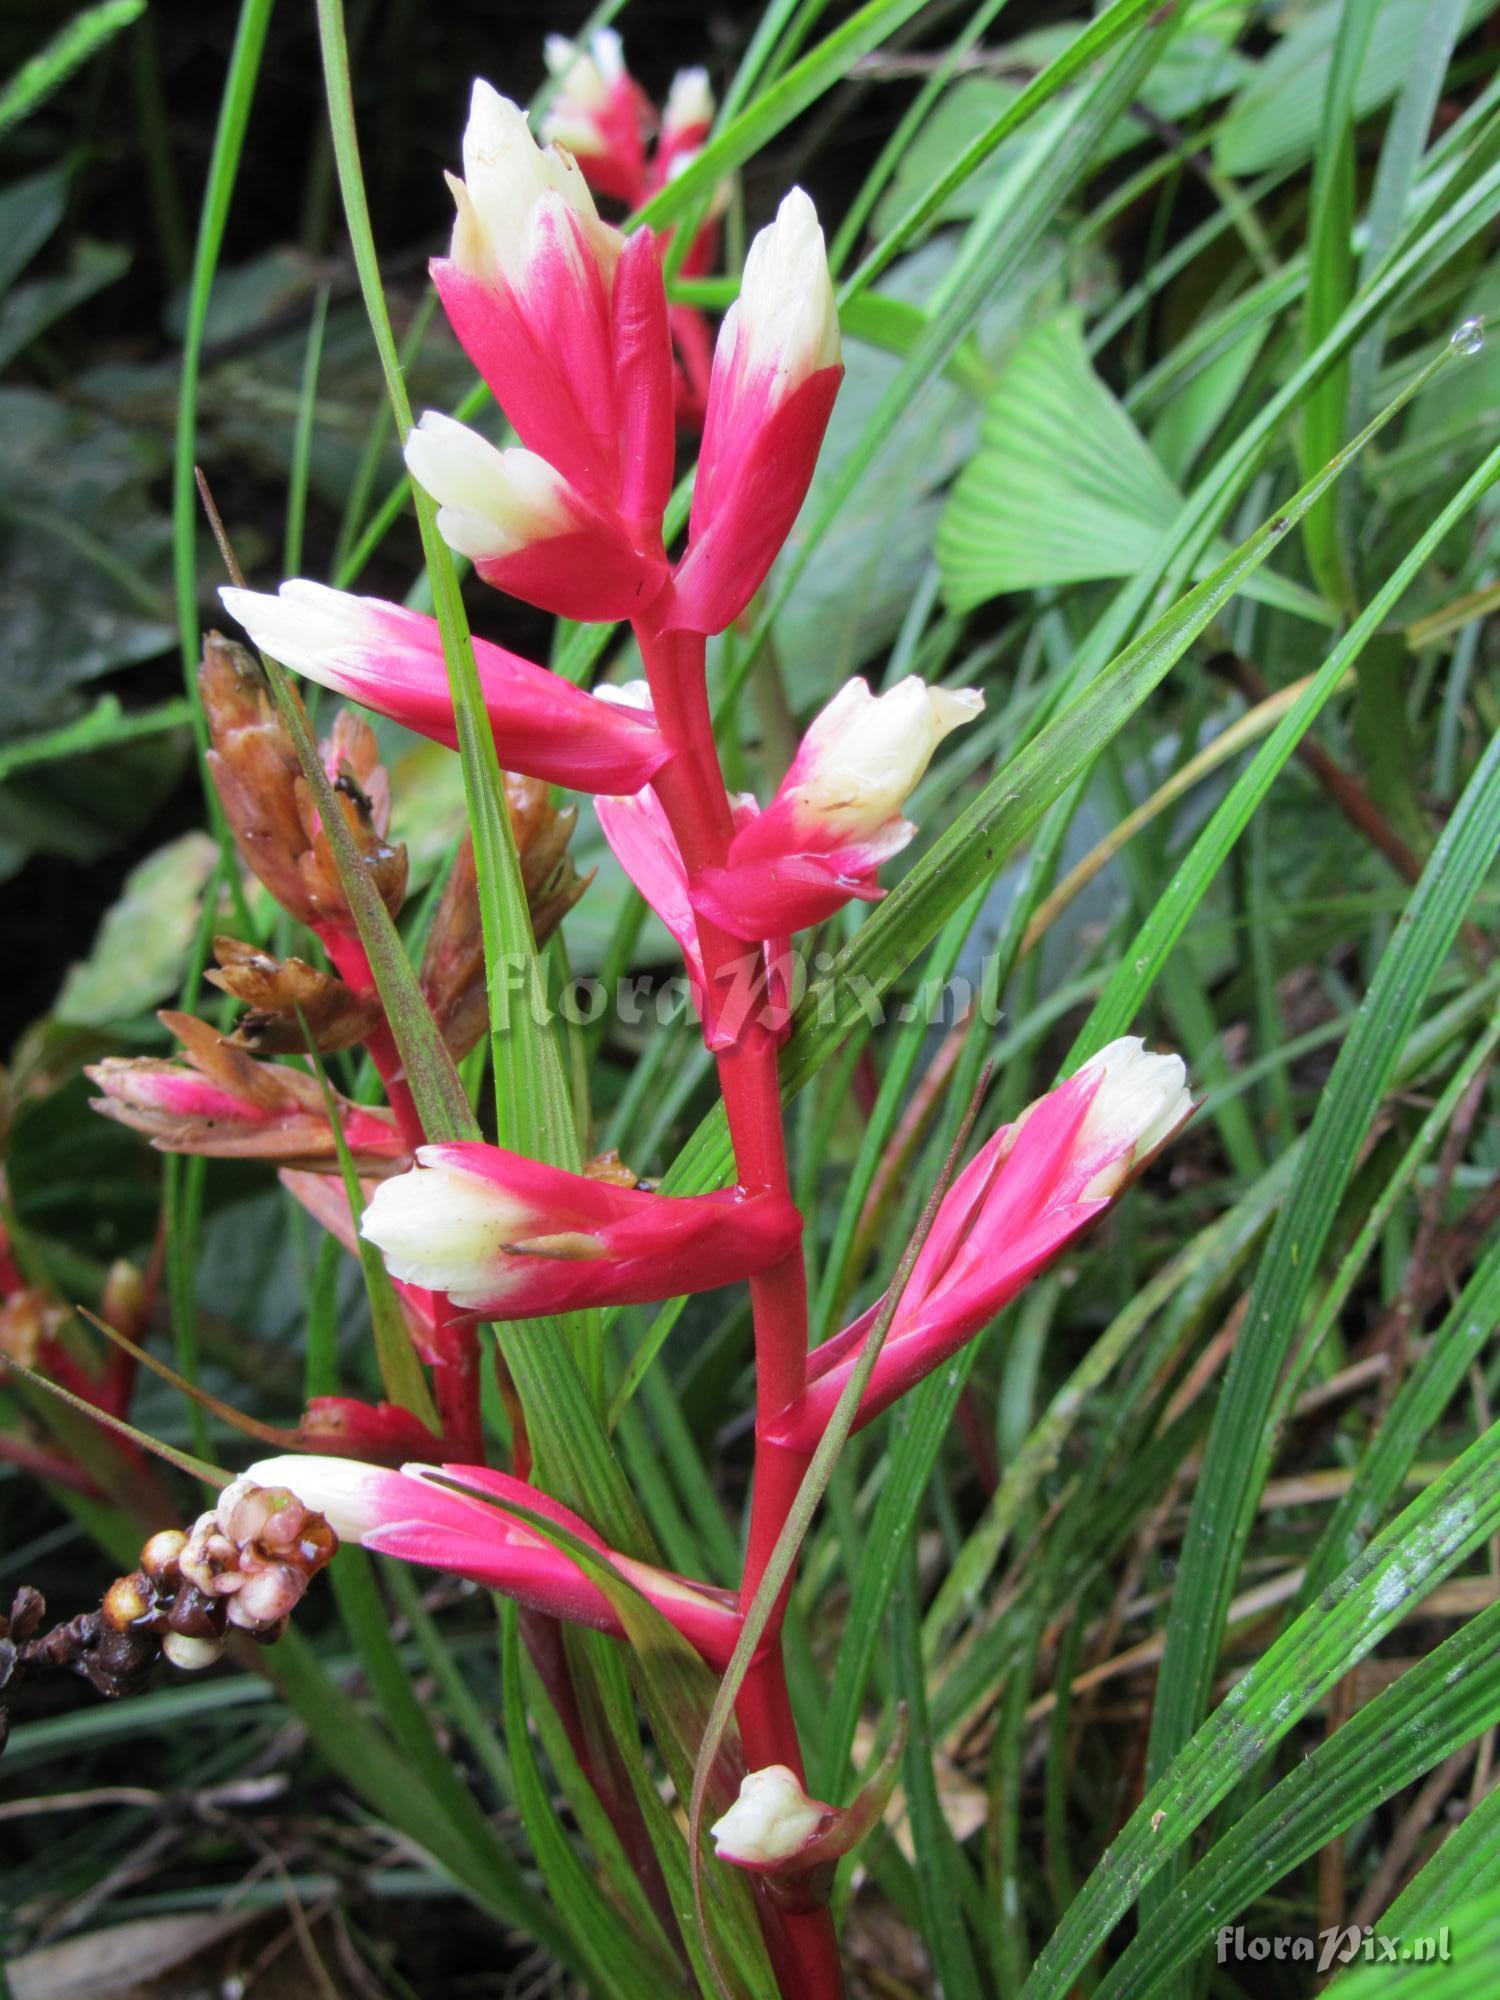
(244, 1566)
(453, 964)
(276, 991)
(269, 805)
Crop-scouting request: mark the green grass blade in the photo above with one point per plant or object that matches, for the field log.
(1139, 966)
(746, 134)
(940, 1865)
(229, 140)
(87, 33)
(1467, 1863)
(993, 251)
(395, 1355)
(1447, 1699)
(1427, 1391)
(1238, 1452)
(1456, 1513)
(1330, 285)
(105, 725)
(365, 1760)
(1461, 1944)
(302, 437)
(1085, 49)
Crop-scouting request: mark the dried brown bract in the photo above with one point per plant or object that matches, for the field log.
(269, 806)
(276, 990)
(453, 964)
(27, 1320)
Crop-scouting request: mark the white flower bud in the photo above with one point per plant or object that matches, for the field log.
(690, 102)
(1139, 1103)
(770, 1821)
(506, 176)
(586, 69)
(444, 1228)
(865, 754)
(626, 694)
(490, 502)
(342, 1490)
(785, 325)
(267, 1596)
(191, 1655)
(587, 74)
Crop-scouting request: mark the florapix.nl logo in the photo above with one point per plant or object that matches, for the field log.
(1339, 1944)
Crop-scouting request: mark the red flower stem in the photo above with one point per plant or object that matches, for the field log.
(42, 1463)
(692, 793)
(455, 1378)
(352, 966)
(118, 1384)
(121, 1367)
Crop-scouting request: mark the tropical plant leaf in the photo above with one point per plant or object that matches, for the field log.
(1277, 117)
(1064, 489)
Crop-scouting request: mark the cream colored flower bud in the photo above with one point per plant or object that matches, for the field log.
(1139, 1103)
(865, 754)
(127, 1599)
(786, 324)
(163, 1551)
(590, 68)
(267, 1596)
(240, 1509)
(770, 1821)
(191, 1655)
(442, 1227)
(690, 102)
(210, 1560)
(123, 1304)
(587, 75)
(490, 502)
(506, 176)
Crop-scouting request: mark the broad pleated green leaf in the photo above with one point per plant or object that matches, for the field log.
(1063, 489)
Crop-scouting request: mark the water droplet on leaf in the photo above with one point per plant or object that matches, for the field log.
(1468, 338)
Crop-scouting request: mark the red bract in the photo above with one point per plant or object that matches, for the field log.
(527, 531)
(604, 119)
(836, 816)
(599, 113)
(548, 308)
(777, 369)
(641, 838)
(512, 1239)
(351, 1429)
(391, 660)
(1030, 1190)
(417, 1515)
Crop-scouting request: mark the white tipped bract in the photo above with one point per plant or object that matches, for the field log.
(445, 1228)
(491, 503)
(785, 322)
(1140, 1102)
(865, 754)
(508, 179)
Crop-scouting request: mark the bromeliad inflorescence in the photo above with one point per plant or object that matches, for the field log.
(568, 321)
